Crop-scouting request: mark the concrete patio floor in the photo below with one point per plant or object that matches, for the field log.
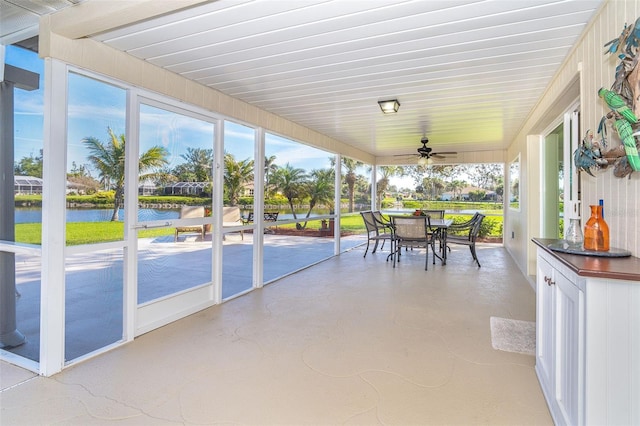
(351, 340)
(94, 286)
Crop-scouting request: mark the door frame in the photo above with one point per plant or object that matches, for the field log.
(142, 318)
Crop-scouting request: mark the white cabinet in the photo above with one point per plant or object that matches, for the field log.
(545, 325)
(560, 342)
(588, 339)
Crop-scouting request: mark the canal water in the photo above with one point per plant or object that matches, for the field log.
(34, 215)
(31, 215)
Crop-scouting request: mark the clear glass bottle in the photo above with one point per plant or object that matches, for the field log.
(573, 235)
(596, 231)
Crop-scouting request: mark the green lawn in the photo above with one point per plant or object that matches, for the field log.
(491, 226)
(99, 232)
(85, 232)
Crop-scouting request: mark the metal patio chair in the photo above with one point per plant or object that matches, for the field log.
(436, 214)
(376, 230)
(466, 234)
(413, 232)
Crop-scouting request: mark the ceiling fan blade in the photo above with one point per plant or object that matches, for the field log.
(406, 155)
(445, 153)
(440, 156)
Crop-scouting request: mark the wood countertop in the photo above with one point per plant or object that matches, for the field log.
(619, 268)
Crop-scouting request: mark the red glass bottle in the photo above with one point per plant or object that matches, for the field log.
(596, 231)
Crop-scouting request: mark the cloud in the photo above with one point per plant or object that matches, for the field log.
(105, 112)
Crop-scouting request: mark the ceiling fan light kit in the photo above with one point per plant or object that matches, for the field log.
(426, 155)
(390, 106)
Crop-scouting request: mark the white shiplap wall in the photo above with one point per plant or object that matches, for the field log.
(621, 196)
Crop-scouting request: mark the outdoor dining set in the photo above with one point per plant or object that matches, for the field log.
(423, 229)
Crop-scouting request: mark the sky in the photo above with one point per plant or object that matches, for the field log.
(28, 120)
(95, 106)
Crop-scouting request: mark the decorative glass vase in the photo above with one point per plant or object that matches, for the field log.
(596, 231)
(573, 235)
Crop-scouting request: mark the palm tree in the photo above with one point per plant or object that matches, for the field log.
(383, 184)
(108, 158)
(320, 189)
(350, 178)
(291, 182)
(237, 174)
(456, 187)
(269, 168)
(198, 162)
(429, 187)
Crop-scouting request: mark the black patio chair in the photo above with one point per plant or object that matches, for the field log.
(466, 234)
(413, 232)
(376, 230)
(436, 214)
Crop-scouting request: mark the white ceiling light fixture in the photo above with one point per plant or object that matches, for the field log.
(390, 106)
(425, 161)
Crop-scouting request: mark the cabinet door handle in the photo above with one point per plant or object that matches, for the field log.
(548, 281)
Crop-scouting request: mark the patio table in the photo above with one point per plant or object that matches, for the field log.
(441, 225)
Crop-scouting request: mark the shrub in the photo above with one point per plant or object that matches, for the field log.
(388, 203)
(492, 226)
(102, 198)
(412, 204)
(31, 200)
(174, 199)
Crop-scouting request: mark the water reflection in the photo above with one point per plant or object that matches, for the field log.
(34, 215)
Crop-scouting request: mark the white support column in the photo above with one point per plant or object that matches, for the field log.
(336, 197)
(52, 296)
(130, 290)
(217, 201)
(258, 208)
(528, 218)
(374, 188)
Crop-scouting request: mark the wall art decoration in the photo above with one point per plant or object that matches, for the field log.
(623, 101)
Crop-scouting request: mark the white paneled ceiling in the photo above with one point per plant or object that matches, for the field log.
(466, 72)
(19, 18)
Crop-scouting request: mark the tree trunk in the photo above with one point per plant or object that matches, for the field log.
(311, 206)
(116, 204)
(351, 197)
(292, 209)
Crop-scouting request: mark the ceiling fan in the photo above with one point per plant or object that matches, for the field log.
(426, 153)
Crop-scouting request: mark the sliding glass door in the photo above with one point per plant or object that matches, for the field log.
(560, 181)
(95, 231)
(173, 221)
